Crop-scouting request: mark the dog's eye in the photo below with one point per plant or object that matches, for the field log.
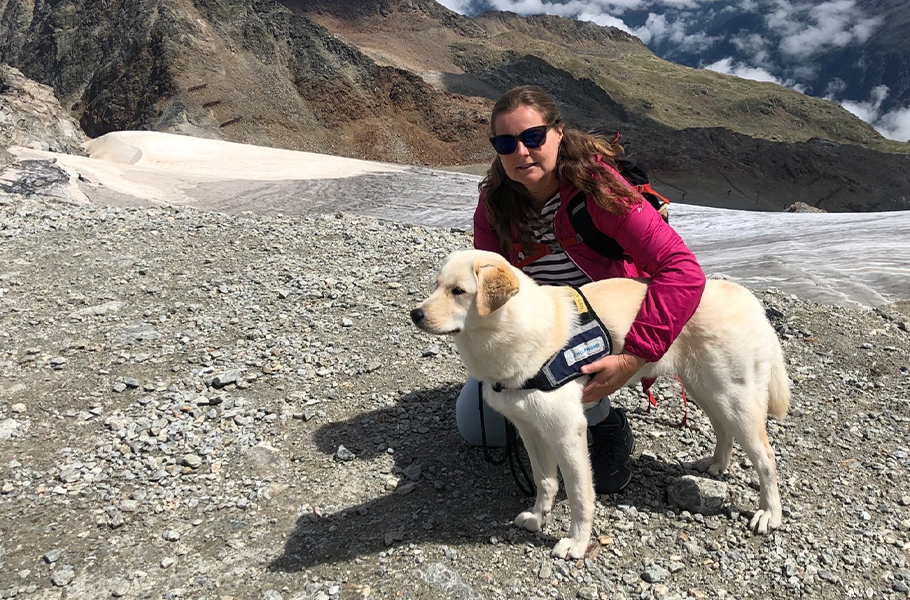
(457, 291)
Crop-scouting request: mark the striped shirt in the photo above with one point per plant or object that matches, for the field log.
(555, 268)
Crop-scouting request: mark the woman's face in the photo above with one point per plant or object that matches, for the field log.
(533, 167)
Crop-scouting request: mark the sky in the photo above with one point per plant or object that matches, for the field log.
(792, 32)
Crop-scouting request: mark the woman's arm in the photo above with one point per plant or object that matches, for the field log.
(677, 280)
(677, 283)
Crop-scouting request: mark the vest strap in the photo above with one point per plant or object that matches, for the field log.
(589, 341)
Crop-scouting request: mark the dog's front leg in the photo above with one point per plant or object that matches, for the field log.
(572, 455)
(544, 471)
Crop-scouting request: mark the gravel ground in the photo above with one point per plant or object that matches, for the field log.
(195, 405)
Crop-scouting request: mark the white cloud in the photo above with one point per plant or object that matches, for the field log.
(658, 28)
(681, 3)
(697, 40)
(869, 110)
(655, 29)
(757, 48)
(835, 88)
(729, 67)
(459, 6)
(604, 20)
(807, 28)
(895, 125)
(750, 43)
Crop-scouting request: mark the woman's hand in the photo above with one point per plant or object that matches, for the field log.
(608, 374)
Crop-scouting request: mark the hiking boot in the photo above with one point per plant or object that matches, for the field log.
(612, 444)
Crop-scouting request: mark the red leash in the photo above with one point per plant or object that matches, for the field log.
(652, 401)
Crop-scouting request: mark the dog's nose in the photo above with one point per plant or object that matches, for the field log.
(417, 315)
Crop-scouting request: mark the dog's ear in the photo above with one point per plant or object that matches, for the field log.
(496, 283)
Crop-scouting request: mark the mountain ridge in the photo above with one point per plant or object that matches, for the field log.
(831, 50)
(411, 82)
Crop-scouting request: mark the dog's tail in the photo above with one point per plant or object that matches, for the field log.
(779, 386)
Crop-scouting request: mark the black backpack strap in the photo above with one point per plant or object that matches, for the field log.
(587, 231)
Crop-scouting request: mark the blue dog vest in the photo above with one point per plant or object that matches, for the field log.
(588, 342)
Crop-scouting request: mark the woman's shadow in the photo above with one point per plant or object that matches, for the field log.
(446, 492)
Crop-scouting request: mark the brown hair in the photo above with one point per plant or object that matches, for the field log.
(508, 204)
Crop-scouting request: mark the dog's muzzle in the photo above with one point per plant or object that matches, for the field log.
(417, 315)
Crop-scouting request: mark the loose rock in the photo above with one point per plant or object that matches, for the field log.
(698, 494)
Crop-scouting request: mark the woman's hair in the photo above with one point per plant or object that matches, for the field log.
(508, 204)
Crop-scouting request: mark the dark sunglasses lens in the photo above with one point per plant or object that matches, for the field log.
(504, 144)
(534, 137)
(531, 138)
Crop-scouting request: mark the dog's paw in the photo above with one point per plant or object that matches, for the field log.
(710, 466)
(530, 521)
(569, 548)
(764, 522)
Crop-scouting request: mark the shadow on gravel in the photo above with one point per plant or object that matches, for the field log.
(446, 494)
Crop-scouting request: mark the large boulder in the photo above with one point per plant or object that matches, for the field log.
(802, 207)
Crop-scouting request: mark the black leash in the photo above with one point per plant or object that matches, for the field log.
(511, 450)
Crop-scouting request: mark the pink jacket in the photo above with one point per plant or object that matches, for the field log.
(653, 249)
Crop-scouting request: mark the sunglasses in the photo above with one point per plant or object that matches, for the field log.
(533, 137)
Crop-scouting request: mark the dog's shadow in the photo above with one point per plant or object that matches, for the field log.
(447, 494)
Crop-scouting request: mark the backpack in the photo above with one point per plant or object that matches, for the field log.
(635, 173)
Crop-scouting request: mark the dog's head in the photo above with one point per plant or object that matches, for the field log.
(471, 284)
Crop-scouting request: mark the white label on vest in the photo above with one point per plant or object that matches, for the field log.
(583, 351)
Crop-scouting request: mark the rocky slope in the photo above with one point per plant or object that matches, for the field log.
(242, 71)
(411, 82)
(194, 405)
(31, 116)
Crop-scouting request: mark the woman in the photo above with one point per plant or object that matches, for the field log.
(540, 166)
